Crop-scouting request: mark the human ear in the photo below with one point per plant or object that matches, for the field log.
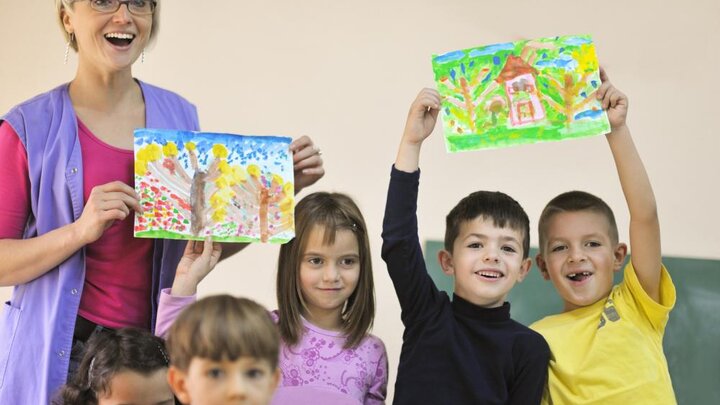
(177, 380)
(542, 265)
(524, 269)
(619, 253)
(446, 262)
(65, 18)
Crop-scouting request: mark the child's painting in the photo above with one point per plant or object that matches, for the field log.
(520, 92)
(193, 184)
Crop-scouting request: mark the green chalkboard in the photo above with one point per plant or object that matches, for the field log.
(692, 337)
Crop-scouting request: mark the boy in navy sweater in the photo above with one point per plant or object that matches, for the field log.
(467, 351)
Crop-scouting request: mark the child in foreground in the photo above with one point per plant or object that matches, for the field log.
(468, 350)
(326, 305)
(607, 343)
(224, 350)
(123, 366)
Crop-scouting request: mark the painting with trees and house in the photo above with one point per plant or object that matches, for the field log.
(520, 92)
(235, 188)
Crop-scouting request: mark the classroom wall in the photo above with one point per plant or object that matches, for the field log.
(345, 73)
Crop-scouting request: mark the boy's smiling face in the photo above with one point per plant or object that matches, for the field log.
(579, 257)
(486, 261)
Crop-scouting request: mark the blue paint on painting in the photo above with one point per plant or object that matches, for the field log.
(543, 56)
(578, 40)
(492, 49)
(449, 57)
(462, 67)
(562, 62)
(496, 60)
(471, 64)
(589, 114)
(452, 73)
(583, 94)
(593, 83)
(487, 77)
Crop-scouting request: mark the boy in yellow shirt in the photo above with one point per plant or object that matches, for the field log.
(607, 343)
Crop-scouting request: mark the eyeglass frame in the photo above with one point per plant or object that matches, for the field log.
(153, 7)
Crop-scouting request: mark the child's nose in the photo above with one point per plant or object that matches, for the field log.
(491, 256)
(237, 388)
(576, 255)
(331, 273)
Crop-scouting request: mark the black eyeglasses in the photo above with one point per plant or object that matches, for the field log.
(137, 7)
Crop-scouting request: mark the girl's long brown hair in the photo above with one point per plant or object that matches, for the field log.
(333, 212)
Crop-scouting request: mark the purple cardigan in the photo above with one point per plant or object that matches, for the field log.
(36, 325)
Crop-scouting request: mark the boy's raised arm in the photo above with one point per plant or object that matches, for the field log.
(420, 123)
(644, 223)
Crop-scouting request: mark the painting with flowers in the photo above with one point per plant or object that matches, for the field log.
(235, 188)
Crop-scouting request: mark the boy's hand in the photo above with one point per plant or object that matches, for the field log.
(422, 116)
(613, 101)
(420, 123)
(307, 163)
(197, 261)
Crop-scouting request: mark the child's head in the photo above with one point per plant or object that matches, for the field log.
(487, 239)
(224, 350)
(125, 366)
(579, 249)
(326, 269)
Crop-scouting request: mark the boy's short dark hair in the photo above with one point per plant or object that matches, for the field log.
(500, 207)
(223, 327)
(573, 201)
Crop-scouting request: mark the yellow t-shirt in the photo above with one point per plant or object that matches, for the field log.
(611, 352)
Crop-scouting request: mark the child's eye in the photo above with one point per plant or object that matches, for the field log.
(475, 245)
(215, 373)
(255, 373)
(315, 261)
(509, 249)
(558, 248)
(592, 243)
(348, 262)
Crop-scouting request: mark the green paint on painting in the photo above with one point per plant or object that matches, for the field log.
(517, 93)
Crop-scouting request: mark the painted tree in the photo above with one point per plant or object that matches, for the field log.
(272, 197)
(467, 83)
(574, 91)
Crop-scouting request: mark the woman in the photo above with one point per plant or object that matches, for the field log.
(67, 175)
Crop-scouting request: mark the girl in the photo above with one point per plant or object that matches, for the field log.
(326, 306)
(125, 366)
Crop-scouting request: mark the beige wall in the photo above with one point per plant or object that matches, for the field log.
(345, 73)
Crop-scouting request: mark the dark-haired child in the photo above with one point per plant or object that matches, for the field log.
(124, 366)
(468, 350)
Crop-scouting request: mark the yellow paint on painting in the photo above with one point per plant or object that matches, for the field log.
(170, 149)
(220, 151)
(254, 171)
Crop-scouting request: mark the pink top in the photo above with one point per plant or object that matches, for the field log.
(318, 370)
(118, 266)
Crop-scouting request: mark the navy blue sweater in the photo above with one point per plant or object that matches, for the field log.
(453, 352)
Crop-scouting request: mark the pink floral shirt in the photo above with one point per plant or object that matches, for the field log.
(319, 365)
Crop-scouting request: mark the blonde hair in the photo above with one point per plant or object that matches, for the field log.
(223, 327)
(333, 212)
(61, 5)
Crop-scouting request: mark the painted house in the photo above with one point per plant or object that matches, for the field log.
(518, 79)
